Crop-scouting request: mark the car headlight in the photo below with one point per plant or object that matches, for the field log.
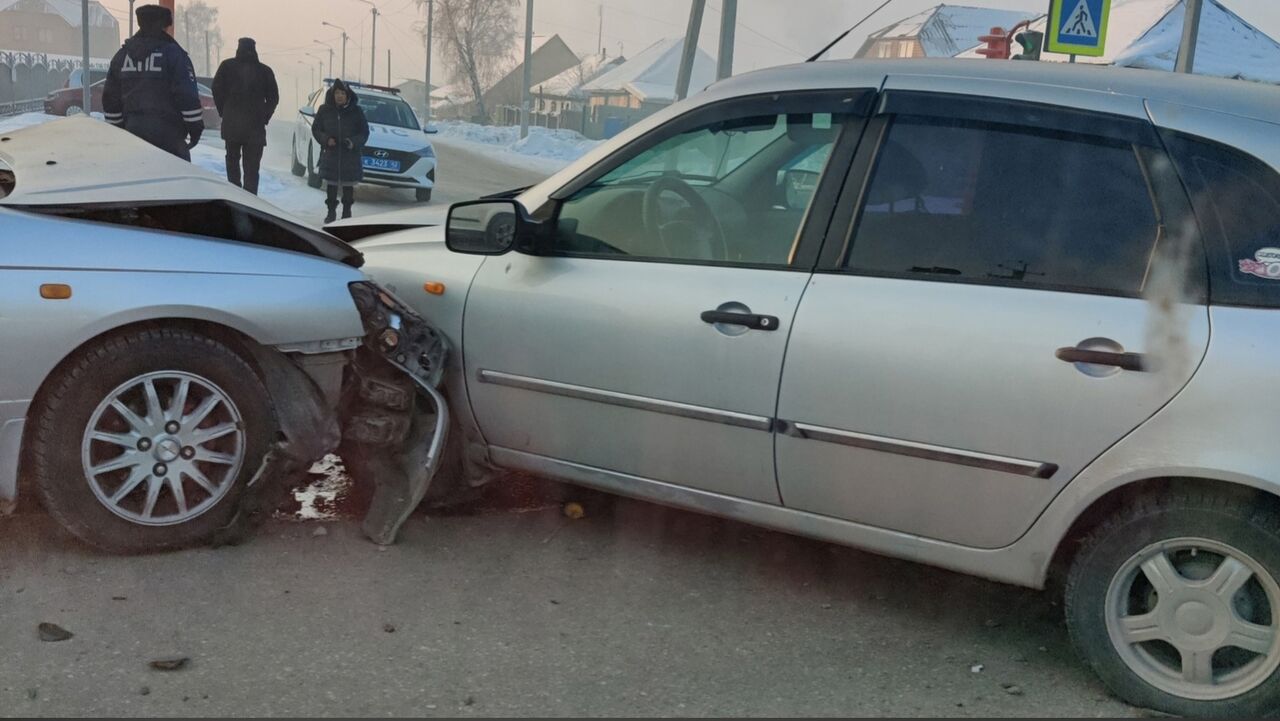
(427, 152)
(397, 333)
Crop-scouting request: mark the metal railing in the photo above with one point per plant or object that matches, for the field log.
(17, 107)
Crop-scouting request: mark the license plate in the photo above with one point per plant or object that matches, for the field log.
(382, 164)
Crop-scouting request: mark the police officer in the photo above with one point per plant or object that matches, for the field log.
(151, 87)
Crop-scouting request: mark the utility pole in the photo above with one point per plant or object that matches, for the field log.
(528, 71)
(728, 24)
(388, 67)
(131, 2)
(344, 45)
(427, 89)
(373, 50)
(86, 78)
(206, 54)
(1190, 36)
(600, 31)
(690, 48)
(328, 47)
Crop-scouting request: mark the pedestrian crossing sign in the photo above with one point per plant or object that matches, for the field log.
(1078, 27)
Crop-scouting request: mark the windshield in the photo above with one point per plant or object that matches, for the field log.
(388, 111)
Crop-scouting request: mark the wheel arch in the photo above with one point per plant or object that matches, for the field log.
(236, 339)
(1107, 503)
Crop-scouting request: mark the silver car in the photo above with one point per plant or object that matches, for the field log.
(176, 352)
(1011, 319)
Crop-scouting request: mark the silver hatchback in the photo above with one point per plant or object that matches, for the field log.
(1012, 319)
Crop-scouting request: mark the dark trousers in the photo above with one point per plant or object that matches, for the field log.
(348, 198)
(252, 162)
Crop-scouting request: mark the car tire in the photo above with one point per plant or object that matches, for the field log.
(73, 110)
(298, 169)
(313, 178)
(76, 428)
(1143, 612)
(423, 195)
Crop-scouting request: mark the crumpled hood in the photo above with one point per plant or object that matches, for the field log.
(106, 165)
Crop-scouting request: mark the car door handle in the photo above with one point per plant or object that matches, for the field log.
(753, 321)
(1124, 361)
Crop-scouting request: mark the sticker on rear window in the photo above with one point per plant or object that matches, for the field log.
(1264, 264)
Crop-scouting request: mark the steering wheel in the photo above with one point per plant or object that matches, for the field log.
(679, 236)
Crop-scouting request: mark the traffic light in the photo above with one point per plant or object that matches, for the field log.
(997, 45)
(1031, 42)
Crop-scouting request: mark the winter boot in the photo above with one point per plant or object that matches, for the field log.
(333, 214)
(346, 212)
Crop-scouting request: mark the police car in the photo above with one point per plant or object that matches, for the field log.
(398, 154)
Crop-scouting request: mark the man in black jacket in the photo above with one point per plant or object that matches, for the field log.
(246, 94)
(151, 87)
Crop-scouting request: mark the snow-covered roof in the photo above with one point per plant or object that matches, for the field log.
(569, 83)
(1146, 34)
(947, 30)
(651, 74)
(70, 10)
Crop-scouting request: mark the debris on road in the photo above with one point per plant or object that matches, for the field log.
(320, 531)
(574, 510)
(388, 628)
(144, 691)
(170, 664)
(119, 598)
(52, 633)
(976, 668)
(1012, 689)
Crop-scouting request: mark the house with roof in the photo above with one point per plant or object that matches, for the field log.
(52, 27)
(40, 44)
(649, 78)
(564, 93)
(942, 31)
(550, 57)
(1147, 33)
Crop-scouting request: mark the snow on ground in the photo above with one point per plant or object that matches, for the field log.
(280, 188)
(546, 149)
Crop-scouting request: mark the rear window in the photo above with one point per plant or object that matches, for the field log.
(1237, 199)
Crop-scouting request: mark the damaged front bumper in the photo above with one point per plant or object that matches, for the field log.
(378, 407)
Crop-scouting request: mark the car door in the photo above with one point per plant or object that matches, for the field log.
(1020, 286)
(644, 337)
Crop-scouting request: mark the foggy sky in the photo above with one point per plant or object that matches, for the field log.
(770, 32)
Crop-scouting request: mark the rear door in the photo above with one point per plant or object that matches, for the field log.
(1019, 287)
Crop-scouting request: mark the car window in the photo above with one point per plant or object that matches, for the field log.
(387, 111)
(1006, 204)
(1237, 198)
(716, 193)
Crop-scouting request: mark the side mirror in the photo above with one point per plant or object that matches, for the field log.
(799, 187)
(308, 111)
(488, 227)
(430, 129)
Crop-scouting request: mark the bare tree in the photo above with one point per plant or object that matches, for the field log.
(476, 38)
(196, 25)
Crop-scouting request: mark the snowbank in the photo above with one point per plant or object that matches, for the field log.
(545, 149)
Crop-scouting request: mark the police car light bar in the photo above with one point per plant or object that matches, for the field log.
(354, 84)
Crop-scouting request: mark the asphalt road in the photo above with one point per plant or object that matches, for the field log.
(517, 610)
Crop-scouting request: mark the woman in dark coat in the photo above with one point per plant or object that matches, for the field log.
(341, 130)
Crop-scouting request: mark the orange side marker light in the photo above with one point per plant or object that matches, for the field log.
(433, 288)
(55, 291)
